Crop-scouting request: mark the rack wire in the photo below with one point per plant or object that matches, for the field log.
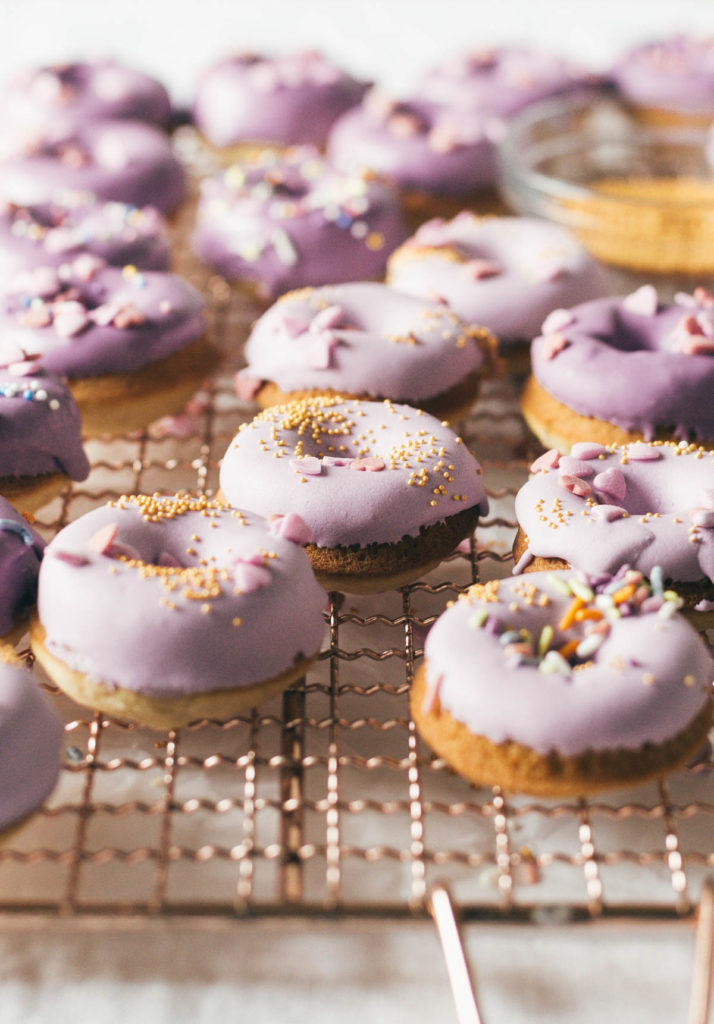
(325, 801)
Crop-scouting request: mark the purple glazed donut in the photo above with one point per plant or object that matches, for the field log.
(126, 161)
(287, 221)
(31, 736)
(507, 273)
(54, 233)
(617, 370)
(21, 550)
(288, 99)
(674, 75)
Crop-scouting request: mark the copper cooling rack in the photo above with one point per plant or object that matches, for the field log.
(325, 801)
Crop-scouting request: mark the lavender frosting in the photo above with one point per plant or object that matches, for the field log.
(362, 338)
(292, 220)
(175, 595)
(40, 426)
(356, 472)
(642, 504)
(434, 148)
(126, 161)
(21, 550)
(675, 74)
(85, 319)
(646, 681)
(287, 99)
(54, 233)
(31, 736)
(633, 362)
(507, 273)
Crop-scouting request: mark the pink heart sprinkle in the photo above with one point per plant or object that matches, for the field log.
(129, 315)
(697, 346)
(292, 326)
(25, 368)
(35, 316)
(607, 512)
(639, 451)
(250, 577)
(326, 318)
(330, 460)
(42, 281)
(587, 450)
(369, 464)
(480, 269)
(319, 351)
(292, 527)
(570, 466)
(404, 125)
(708, 497)
(552, 344)
(703, 296)
(580, 488)
(702, 517)
(443, 138)
(644, 301)
(612, 483)
(103, 315)
(87, 265)
(103, 539)
(431, 232)
(549, 460)
(557, 320)
(71, 558)
(308, 465)
(247, 387)
(549, 270)
(70, 319)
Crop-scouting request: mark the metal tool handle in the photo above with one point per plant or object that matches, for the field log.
(441, 909)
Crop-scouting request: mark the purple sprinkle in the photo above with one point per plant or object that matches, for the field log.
(638, 451)
(570, 466)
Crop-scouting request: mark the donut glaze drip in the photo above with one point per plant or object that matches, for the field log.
(21, 550)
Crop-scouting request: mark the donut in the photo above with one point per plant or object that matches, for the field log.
(164, 609)
(618, 370)
(442, 158)
(290, 220)
(668, 81)
(31, 736)
(131, 342)
(541, 685)
(416, 493)
(247, 102)
(21, 550)
(367, 340)
(647, 506)
(56, 100)
(507, 273)
(126, 161)
(41, 431)
(54, 233)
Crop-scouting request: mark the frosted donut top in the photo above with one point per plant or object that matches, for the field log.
(362, 338)
(287, 99)
(40, 425)
(553, 682)
(675, 74)
(507, 273)
(644, 505)
(53, 101)
(633, 362)
(502, 81)
(83, 319)
(411, 470)
(292, 220)
(417, 144)
(172, 595)
(21, 550)
(57, 232)
(126, 161)
(31, 736)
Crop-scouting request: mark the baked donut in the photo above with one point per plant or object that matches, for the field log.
(416, 493)
(507, 273)
(21, 550)
(619, 370)
(647, 506)
(126, 161)
(545, 685)
(31, 736)
(41, 437)
(367, 340)
(167, 609)
(131, 342)
(289, 220)
(54, 233)
(248, 102)
(669, 81)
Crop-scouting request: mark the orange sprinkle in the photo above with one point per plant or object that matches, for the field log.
(588, 613)
(569, 618)
(624, 593)
(567, 649)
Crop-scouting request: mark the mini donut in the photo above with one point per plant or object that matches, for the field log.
(442, 158)
(538, 684)
(247, 102)
(126, 161)
(21, 550)
(41, 431)
(648, 506)
(669, 81)
(131, 342)
(54, 233)
(31, 735)
(619, 370)
(507, 273)
(367, 340)
(416, 494)
(167, 609)
(285, 221)
(54, 101)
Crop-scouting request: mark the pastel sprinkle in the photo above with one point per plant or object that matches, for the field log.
(574, 484)
(478, 618)
(611, 483)
(643, 301)
(581, 591)
(589, 645)
(587, 450)
(308, 465)
(250, 577)
(560, 585)
(369, 464)
(554, 663)
(545, 639)
(557, 320)
(552, 344)
(292, 527)
(103, 539)
(569, 466)
(549, 460)
(639, 451)
(607, 512)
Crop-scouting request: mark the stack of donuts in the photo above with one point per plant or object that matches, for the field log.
(390, 283)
